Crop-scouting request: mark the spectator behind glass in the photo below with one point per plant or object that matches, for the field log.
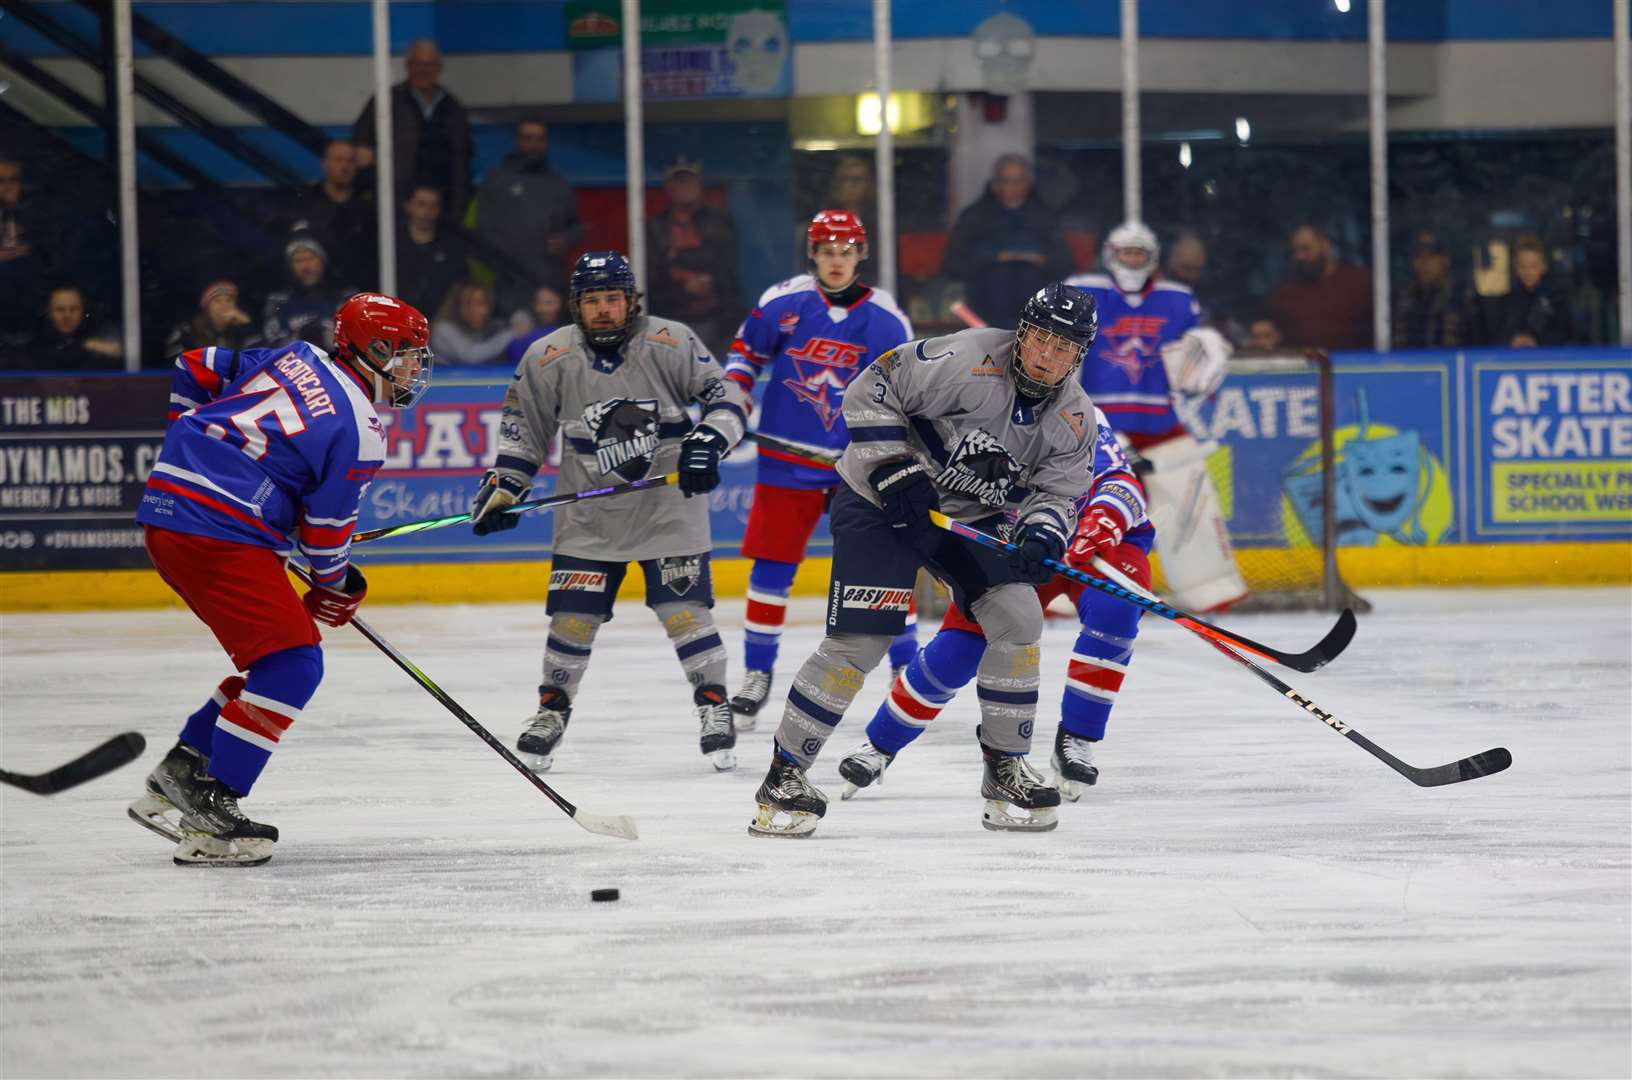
(693, 253)
(849, 188)
(541, 318)
(67, 337)
(1324, 304)
(340, 215)
(304, 309)
(22, 264)
(1432, 311)
(430, 132)
(528, 211)
(219, 322)
(1186, 260)
(1006, 245)
(431, 259)
(1533, 312)
(470, 334)
(1262, 334)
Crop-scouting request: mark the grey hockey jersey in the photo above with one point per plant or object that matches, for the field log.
(949, 402)
(621, 418)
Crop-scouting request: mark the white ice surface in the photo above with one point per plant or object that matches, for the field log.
(1245, 892)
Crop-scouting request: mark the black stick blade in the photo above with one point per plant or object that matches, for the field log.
(117, 751)
(1328, 648)
(1469, 768)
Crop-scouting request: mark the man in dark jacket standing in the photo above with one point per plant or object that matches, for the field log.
(529, 212)
(1006, 245)
(430, 132)
(691, 250)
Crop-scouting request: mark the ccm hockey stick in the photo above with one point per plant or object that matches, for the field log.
(1468, 768)
(117, 751)
(620, 826)
(546, 503)
(1324, 652)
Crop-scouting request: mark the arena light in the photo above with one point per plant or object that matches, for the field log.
(1184, 154)
(1243, 130)
(1342, 6)
(867, 114)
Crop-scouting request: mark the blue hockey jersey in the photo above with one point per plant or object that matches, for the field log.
(270, 447)
(815, 350)
(1123, 370)
(1117, 486)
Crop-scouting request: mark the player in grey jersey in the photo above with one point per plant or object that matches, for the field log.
(976, 424)
(615, 385)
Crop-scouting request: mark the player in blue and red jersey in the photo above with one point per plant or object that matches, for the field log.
(267, 454)
(1152, 354)
(812, 334)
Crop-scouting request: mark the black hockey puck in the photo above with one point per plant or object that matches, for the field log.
(603, 894)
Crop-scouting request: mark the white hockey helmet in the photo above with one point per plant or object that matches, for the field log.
(1130, 236)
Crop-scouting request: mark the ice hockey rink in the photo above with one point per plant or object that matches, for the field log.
(1244, 894)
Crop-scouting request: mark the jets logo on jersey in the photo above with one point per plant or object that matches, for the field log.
(981, 468)
(824, 368)
(1132, 343)
(625, 434)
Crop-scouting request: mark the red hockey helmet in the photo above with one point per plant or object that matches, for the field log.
(387, 343)
(835, 227)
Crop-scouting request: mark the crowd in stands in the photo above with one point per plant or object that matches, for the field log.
(487, 261)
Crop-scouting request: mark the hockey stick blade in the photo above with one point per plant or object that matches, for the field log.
(620, 826)
(1324, 652)
(117, 751)
(1469, 768)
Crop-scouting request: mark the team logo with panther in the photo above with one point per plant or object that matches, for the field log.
(981, 468)
(679, 573)
(625, 434)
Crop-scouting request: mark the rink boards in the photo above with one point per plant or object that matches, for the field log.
(1493, 467)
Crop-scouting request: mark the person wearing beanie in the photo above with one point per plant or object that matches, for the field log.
(219, 322)
(304, 309)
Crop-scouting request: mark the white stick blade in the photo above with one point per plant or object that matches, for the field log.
(620, 826)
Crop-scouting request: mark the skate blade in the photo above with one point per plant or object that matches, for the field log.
(999, 816)
(849, 791)
(723, 760)
(742, 721)
(149, 812)
(538, 763)
(204, 850)
(788, 824)
(1070, 790)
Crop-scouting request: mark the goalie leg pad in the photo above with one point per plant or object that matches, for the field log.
(1191, 537)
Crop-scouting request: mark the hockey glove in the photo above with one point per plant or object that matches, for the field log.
(699, 465)
(1034, 542)
(497, 493)
(1099, 532)
(1198, 362)
(336, 606)
(906, 494)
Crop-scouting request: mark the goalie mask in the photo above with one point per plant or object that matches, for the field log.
(1129, 254)
(600, 271)
(1057, 325)
(385, 342)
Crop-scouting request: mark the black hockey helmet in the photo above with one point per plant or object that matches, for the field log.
(597, 270)
(1055, 316)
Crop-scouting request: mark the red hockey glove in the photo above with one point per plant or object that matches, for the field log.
(1099, 532)
(335, 607)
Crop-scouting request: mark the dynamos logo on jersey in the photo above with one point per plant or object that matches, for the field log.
(981, 468)
(577, 580)
(832, 364)
(874, 598)
(1133, 343)
(625, 433)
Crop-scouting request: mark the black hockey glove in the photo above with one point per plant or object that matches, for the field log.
(700, 454)
(1034, 542)
(497, 493)
(906, 494)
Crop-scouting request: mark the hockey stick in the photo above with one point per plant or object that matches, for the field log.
(596, 823)
(1324, 652)
(117, 751)
(546, 503)
(1468, 768)
(815, 457)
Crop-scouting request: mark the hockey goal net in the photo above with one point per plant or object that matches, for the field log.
(1276, 466)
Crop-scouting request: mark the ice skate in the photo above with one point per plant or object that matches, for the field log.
(788, 804)
(169, 792)
(1011, 784)
(756, 687)
(718, 737)
(536, 747)
(214, 832)
(1073, 762)
(863, 767)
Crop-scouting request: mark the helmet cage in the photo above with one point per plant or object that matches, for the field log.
(406, 371)
(1043, 340)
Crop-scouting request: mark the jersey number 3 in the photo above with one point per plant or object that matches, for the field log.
(276, 403)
